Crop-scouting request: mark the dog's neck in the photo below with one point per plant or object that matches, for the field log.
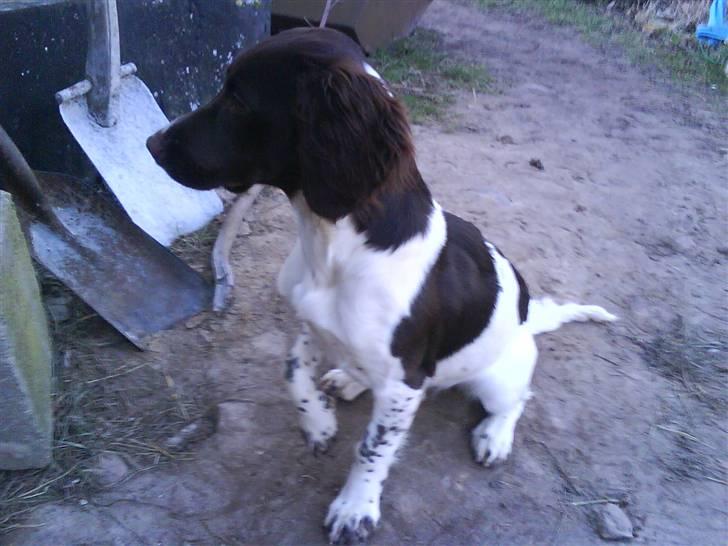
(323, 242)
(387, 221)
(396, 213)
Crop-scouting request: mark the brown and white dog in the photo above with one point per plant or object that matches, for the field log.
(399, 294)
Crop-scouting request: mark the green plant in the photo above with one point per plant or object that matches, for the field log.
(679, 55)
(424, 77)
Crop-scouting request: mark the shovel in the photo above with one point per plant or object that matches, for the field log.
(79, 233)
(111, 114)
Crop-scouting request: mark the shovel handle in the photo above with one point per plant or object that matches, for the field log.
(18, 178)
(103, 61)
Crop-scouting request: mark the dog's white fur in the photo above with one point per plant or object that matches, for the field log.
(351, 298)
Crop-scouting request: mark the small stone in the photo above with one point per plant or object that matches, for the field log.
(111, 468)
(244, 228)
(536, 164)
(506, 139)
(196, 431)
(613, 523)
(722, 250)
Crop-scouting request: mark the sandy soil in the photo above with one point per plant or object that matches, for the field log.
(628, 212)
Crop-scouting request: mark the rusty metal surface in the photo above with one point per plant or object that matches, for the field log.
(132, 281)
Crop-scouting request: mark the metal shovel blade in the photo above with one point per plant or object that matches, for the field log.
(131, 280)
(154, 201)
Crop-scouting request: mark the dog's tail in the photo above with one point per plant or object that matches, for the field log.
(545, 315)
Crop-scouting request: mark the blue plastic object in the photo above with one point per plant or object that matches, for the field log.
(716, 31)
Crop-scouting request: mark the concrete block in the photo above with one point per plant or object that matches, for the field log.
(25, 353)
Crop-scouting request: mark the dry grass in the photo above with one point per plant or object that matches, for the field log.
(675, 54)
(698, 361)
(690, 457)
(101, 404)
(685, 14)
(196, 248)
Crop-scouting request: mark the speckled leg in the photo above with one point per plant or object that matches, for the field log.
(315, 408)
(355, 512)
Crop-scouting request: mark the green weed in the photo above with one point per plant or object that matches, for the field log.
(683, 57)
(424, 77)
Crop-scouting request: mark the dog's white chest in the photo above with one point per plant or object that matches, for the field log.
(351, 294)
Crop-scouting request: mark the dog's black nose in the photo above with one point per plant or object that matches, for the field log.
(155, 145)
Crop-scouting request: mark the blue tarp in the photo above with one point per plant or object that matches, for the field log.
(716, 31)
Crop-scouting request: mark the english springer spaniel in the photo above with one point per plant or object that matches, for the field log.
(399, 294)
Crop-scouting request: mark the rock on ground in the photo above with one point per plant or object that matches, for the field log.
(613, 523)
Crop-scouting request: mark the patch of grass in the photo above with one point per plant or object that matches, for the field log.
(683, 57)
(424, 76)
(693, 359)
(696, 362)
(195, 248)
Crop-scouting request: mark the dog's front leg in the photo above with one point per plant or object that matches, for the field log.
(355, 512)
(315, 408)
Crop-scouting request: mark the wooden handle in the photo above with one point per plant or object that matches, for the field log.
(103, 61)
(18, 178)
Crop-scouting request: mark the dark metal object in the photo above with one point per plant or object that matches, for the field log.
(79, 232)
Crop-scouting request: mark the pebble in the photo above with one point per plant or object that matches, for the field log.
(196, 431)
(536, 164)
(613, 523)
(111, 468)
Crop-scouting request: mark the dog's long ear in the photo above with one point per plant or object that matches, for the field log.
(353, 134)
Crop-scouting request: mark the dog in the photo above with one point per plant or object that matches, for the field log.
(399, 294)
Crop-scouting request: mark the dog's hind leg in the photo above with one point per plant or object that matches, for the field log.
(315, 408)
(338, 383)
(503, 389)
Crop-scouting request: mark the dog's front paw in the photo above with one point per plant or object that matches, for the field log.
(318, 423)
(340, 384)
(351, 519)
(318, 444)
(492, 441)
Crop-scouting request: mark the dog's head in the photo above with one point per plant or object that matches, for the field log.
(299, 111)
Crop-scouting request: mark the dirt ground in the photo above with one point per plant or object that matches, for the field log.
(629, 211)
